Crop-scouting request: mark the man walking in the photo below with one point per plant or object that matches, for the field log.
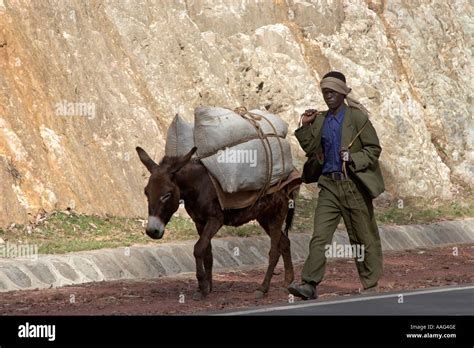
(344, 149)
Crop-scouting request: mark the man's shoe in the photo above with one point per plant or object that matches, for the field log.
(372, 290)
(305, 291)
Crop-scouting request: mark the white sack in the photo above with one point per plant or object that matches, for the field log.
(240, 167)
(180, 138)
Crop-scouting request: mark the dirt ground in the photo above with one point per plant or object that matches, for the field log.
(414, 269)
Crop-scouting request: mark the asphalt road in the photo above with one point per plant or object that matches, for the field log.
(458, 300)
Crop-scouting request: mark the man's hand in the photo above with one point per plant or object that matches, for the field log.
(308, 116)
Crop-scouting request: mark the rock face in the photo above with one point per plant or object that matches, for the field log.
(83, 83)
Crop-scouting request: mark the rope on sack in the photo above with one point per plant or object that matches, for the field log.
(281, 150)
(253, 118)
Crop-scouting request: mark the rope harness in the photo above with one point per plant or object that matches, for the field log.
(253, 119)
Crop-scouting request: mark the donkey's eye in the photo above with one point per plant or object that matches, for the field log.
(165, 197)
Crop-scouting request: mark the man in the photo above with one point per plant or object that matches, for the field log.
(346, 150)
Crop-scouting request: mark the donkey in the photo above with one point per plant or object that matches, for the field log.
(180, 178)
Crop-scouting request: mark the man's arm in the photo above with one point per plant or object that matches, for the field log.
(306, 139)
(305, 134)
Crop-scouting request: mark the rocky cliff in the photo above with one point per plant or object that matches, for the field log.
(84, 82)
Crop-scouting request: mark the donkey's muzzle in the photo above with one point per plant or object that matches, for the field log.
(155, 228)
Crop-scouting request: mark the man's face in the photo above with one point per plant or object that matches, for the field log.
(332, 98)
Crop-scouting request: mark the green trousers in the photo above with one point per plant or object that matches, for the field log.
(347, 199)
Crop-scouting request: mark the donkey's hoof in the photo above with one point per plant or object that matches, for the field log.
(198, 296)
(259, 294)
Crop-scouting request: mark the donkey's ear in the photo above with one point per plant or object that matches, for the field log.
(146, 160)
(182, 160)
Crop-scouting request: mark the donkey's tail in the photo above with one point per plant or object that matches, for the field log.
(291, 212)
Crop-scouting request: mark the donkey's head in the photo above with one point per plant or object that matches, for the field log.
(162, 192)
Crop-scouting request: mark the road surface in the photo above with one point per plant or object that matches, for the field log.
(458, 300)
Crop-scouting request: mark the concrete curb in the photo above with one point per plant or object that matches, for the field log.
(141, 262)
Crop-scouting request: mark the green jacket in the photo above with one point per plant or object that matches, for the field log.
(365, 150)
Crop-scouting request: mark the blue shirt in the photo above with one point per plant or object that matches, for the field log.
(331, 141)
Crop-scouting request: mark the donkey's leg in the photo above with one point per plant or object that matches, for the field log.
(275, 233)
(208, 261)
(200, 248)
(208, 258)
(285, 251)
